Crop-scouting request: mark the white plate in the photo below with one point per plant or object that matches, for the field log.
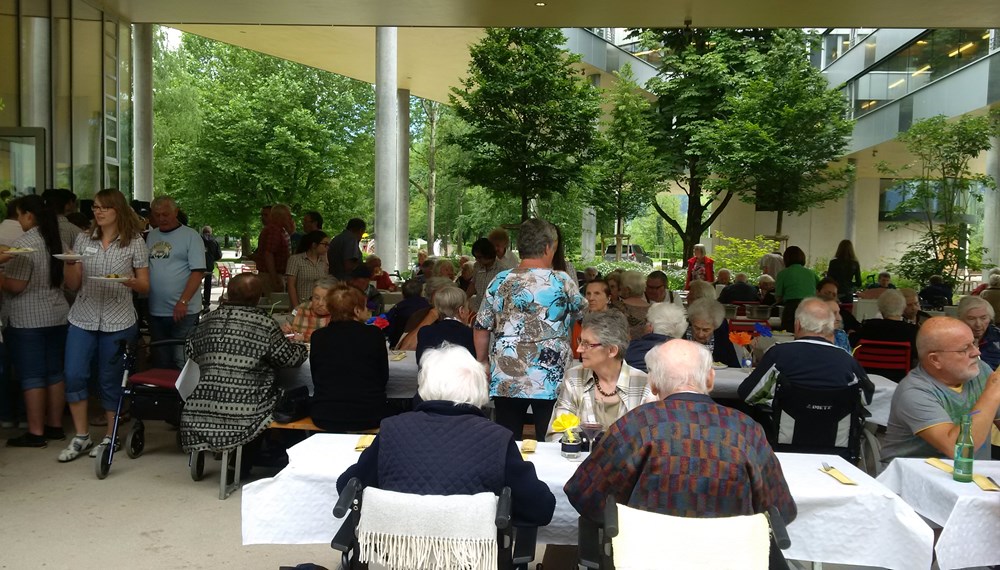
(719, 366)
(68, 256)
(111, 279)
(18, 251)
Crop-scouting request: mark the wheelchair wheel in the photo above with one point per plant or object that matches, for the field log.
(197, 461)
(102, 463)
(135, 442)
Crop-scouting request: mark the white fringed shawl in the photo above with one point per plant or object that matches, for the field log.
(403, 531)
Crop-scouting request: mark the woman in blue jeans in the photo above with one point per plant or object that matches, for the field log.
(102, 315)
(36, 330)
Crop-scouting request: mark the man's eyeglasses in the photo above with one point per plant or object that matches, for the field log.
(589, 345)
(326, 243)
(96, 208)
(968, 348)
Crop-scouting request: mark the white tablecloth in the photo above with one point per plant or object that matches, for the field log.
(402, 377)
(864, 524)
(728, 380)
(969, 516)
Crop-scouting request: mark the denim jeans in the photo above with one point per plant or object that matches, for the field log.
(82, 346)
(37, 355)
(163, 328)
(10, 397)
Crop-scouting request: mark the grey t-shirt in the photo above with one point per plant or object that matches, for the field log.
(920, 402)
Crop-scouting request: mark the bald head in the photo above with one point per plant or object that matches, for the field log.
(680, 365)
(948, 351)
(813, 317)
(245, 289)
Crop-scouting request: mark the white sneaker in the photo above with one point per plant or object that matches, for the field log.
(76, 446)
(99, 448)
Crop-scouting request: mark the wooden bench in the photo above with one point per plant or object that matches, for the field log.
(303, 424)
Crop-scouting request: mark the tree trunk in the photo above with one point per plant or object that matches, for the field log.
(777, 227)
(524, 206)
(619, 229)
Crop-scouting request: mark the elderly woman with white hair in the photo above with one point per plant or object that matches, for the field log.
(664, 321)
(447, 446)
(603, 386)
(633, 303)
(978, 314)
(890, 328)
(708, 326)
(451, 327)
(699, 267)
(992, 293)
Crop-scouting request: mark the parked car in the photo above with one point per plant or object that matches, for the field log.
(629, 253)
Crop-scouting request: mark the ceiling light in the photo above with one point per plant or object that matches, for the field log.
(921, 70)
(986, 36)
(540, 4)
(897, 84)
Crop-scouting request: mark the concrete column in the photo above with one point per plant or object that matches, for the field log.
(991, 204)
(142, 110)
(386, 139)
(588, 238)
(403, 173)
(851, 206)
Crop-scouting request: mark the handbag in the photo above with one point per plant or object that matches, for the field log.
(292, 406)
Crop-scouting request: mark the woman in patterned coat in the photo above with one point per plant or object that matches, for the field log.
(237, 347)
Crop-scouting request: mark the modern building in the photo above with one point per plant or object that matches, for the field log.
(892, 78)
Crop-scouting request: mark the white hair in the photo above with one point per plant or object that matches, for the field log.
(450, 373)
(678, 363)
(700, 290)
(634, 282)
(891, 303)
(435, 284)
(667, 319)
(708, 310)
(448, 300)
(815, 317)
(994, 279)
(970, 302)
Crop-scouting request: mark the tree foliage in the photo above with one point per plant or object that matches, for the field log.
(266, 131)
(627, 172)
(530, 114)
(709, 77)
(937, 191)
(741, 255)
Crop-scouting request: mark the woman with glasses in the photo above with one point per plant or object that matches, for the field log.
(307, 265)
(115, 263)
(603, 386)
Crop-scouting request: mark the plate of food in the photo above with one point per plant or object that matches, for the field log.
(719, 365)
(18, 250)
(112, 277)
(68, 256)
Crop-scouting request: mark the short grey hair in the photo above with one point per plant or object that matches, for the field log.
(610, 328)
(668, 319)
(441, 264)
(435, 284)
(765, 278)
(741, 277)
(700, 290)
(699, 247)
(534, 236)
(449, 372)
(328, 282)
(891, 303)
(449, 300)
(632, 281)
(970, 302)
(677, 363)
(707, 310)
(723, 270)
(815, 317)
(994, 279)
(161, 200)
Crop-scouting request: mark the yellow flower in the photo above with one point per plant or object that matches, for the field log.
(565, 423)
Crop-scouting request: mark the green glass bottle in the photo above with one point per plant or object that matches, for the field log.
(965, 449)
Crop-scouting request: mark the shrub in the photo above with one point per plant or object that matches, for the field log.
(741, 255)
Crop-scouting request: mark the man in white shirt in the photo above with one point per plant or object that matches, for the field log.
(506, 258)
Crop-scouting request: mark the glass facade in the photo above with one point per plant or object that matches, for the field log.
(66, 67)
(837, 41)
(892, 193)
(931, 56)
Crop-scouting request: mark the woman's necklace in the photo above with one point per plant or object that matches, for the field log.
(597, 384)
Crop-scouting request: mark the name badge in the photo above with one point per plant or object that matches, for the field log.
(90, 250)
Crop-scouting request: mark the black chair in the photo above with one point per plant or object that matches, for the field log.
(811, 420)
(516, 545)
(595, 539)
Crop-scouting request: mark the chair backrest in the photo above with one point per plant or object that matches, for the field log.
(224, 274)
(690, 543)
(879, 357)
(745, 324)
(402, 530)
(810, 420)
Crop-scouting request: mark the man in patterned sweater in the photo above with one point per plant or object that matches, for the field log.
(684, 455)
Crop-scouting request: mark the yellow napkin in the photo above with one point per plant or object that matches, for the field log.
(528, 446)
(397, 356)
(564, 422)
(979, 479)
(836, 474)
(364, 442)
(935, 462)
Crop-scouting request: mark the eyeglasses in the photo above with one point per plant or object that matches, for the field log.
(968, 348)
(326, 243)
(588, 345)
(97, 208)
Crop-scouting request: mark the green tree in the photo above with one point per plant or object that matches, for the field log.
(627, 170)
(937, 191)
(741, 255)
(703, 73)
(783, 126)
(530, 113)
